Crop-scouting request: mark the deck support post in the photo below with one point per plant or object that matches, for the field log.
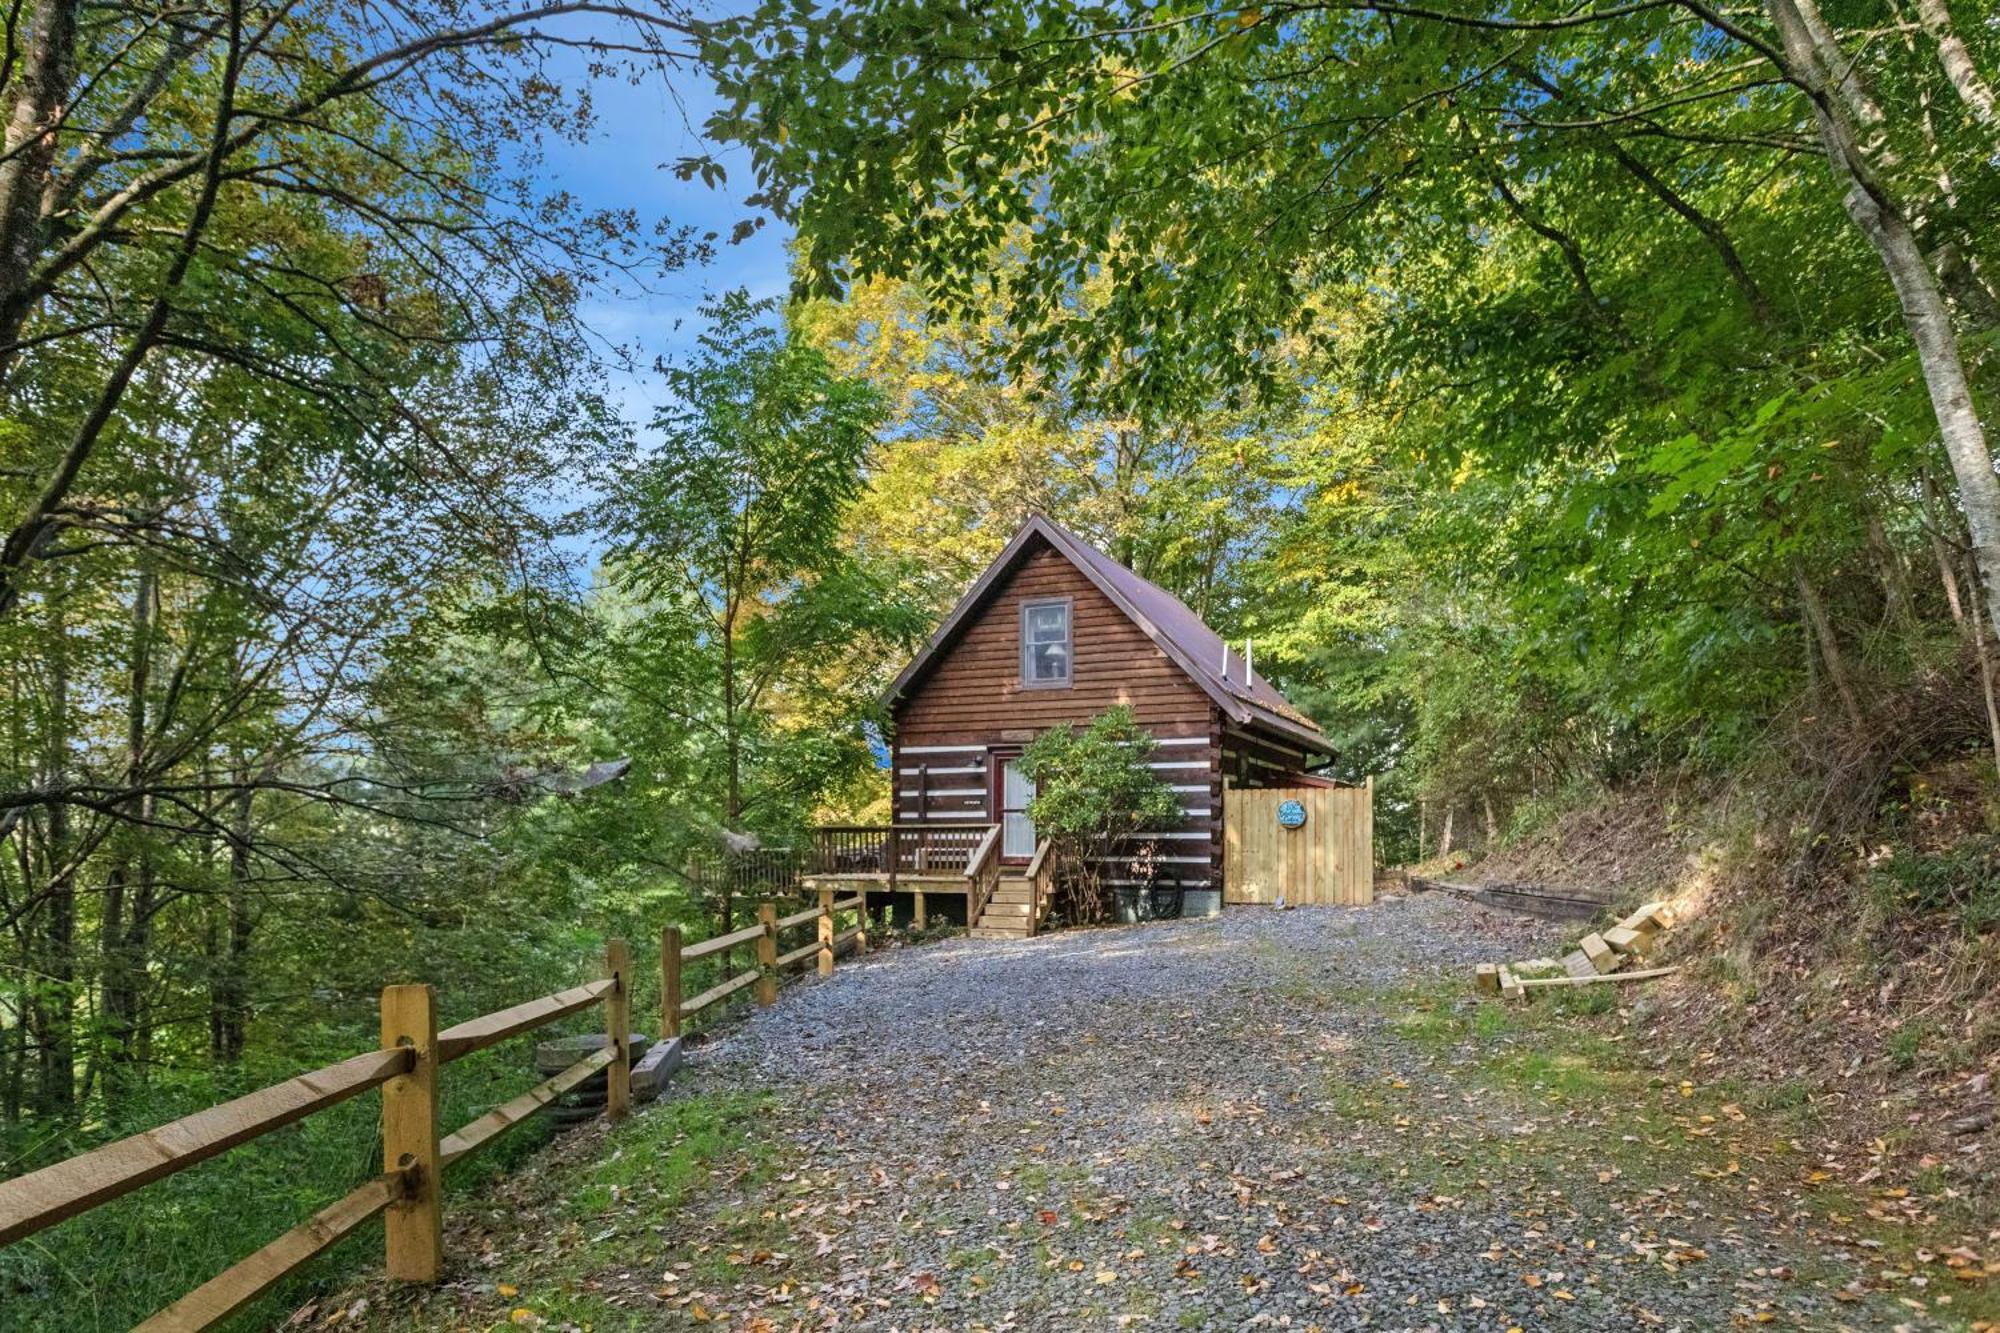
(919, 917)
(413, 1227)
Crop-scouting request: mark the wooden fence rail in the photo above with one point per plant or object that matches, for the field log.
(406, 1068)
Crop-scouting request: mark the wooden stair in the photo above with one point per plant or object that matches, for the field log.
(1005, 916)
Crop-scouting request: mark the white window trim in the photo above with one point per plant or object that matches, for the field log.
(1022, 642)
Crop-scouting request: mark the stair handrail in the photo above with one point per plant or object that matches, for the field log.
(1037, 873)
(982, 874)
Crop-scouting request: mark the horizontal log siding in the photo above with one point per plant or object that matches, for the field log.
(1218, 780)
(972, 691)
(972, 696)
(917, 773)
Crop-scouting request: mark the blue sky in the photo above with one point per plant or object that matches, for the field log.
(641, 131)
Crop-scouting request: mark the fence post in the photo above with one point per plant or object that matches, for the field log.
(826, 932)
(618, 1026)
(413, 1227)
(766, 985)
(670, 982)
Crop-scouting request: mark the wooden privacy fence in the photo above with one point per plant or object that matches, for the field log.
(405, 1068)
(1327, 858)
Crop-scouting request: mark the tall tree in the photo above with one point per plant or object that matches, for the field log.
(239, 185)
(289, 351)
(1216, 165)
(970, 450)
(756, 644)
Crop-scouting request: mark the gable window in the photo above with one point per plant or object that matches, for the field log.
(1045, 644)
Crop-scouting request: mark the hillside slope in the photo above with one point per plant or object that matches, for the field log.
(1864, 983)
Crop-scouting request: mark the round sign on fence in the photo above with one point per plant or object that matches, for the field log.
(1291, 814)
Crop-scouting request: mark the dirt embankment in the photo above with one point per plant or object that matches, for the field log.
(1868, 990)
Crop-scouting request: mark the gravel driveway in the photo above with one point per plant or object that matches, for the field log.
(1218, 1124)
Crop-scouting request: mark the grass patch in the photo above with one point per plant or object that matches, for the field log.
(671, 1149)
(1566, 1075)
(1564, 1100)
(613, 1211)
(1904, 1045)
(1350, 1098)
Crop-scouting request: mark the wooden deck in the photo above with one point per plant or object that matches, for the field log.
(895, 850)
(925, 859)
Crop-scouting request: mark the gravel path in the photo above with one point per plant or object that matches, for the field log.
(1217, 1124)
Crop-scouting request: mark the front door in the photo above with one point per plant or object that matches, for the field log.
(1017, 831)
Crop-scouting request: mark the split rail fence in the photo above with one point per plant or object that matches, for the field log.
(406, 1069)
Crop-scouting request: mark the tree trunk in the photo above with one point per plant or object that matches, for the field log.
(13, 1066)
(55, 1016)
(1890, 573)
(1829, 647)
(1934, 512)
(123, 931)
(229, 1005)
(1925, 313)
(1966, 80)
(1444, 840)
(1975, 299)
(732, 802)
(40, 82)
(1949, 579)
(41, 517)
(1986, 682)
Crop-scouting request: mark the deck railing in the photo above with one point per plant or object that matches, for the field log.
(892, 850)
(406, 1068)
(761, 870)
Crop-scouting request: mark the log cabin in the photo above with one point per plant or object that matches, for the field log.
(1054, 632)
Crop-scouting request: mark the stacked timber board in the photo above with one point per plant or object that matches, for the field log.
(1597, 958)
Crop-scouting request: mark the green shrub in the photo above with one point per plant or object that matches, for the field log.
(1094, 791)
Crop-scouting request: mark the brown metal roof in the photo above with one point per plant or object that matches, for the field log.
(1180, 633)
